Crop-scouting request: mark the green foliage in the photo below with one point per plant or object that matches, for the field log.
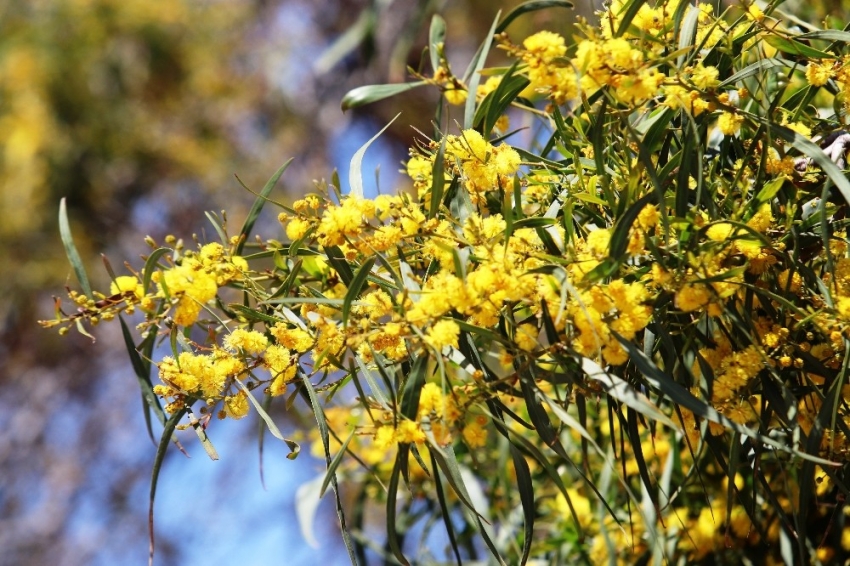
(626, 341)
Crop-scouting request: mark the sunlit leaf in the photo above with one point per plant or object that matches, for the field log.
(363, 95)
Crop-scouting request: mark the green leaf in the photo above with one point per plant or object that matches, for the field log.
(392, 496)
(258, 207)
(447, 461)
(444, 509)
(794, 47)
(413, 388)
(688, 33)
(335, 463)
(685, 399)
(436, 40)
(254, 315)
(535, 222)
(292, 301)
(363, 95)
(356, 287)
(71, 250)
(202, 436)
(827, 35)
(627, 15)
(337, 260)
(375, 388)
(495, 103)
(150, 267)
(167, 431)
(347, 42)
(218, 224)
(769, 190)
(307, 501)
(526, 498)
(807, 147)
(355, 173)
(319, 414)
(142, 371)
(620, 237)
(527, 7)
(473, 75)
(438, 180)
(294, 448)
(755, 68)
(622, 391)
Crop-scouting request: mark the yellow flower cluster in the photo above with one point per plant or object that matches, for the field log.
(212, 377)
(483, 167)
(196, 279)
(701, 276)
(605, 311)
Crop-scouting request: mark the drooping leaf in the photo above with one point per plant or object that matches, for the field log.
(168, 430)
(307, 499)
(294, 448)
(321, 422)
(142, 371)
(337, 460)
(625, 393)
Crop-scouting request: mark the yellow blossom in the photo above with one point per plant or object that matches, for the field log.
(409, 432)
(127, 283)
(249, 341)
(597, 242)
(292, 338)
(545, 45)
(384, 438)
(818, 74)
(754, 13)
(705, 78)
(693, 296)
(526, 337)
(236, 406)
(474, 434)
(443, 333)
(729, 124)
(296, 228)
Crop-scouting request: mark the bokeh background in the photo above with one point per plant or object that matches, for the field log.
(140, 113)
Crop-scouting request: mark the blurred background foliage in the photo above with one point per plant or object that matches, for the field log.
(140, 113)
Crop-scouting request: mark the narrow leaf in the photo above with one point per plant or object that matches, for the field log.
(436, 40)
(793, 47)
(71, 250)
(170, 425)
(355, 173)
(531, 6)
(335, 463)
(356, 287)
(473, 75)
(293, 446)
(625, 393)
(754, 69)
(438, 180)
(307, 499)
(319, 414)
(258, 207)
(150, 266)
(363, 95)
